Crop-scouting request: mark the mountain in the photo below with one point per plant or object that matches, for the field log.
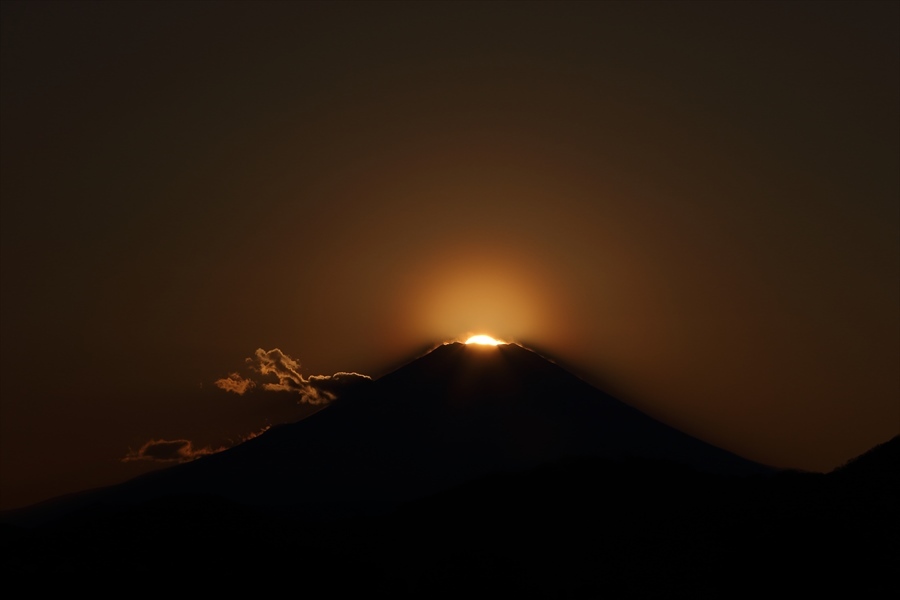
(474, 471)
(456, 414)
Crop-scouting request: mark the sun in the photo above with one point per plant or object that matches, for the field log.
(484, 340)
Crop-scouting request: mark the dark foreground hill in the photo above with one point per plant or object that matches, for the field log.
(476, 471)
(576, 528)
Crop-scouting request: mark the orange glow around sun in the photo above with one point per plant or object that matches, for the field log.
(464, 290)
(484, 340)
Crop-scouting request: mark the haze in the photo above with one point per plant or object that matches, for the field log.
(695, 207)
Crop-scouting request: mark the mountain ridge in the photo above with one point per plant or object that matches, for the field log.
(574, 527)
(457, 413)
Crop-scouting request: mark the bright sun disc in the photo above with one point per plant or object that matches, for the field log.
(484, 340)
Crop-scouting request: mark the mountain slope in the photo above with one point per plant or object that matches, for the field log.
(456, 414)
(499, 471)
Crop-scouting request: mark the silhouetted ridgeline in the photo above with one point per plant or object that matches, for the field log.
(475, 472)
(454, 415)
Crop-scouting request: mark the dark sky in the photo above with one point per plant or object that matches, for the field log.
(695, 206)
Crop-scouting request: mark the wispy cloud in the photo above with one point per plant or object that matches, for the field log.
(265, 371)
(235, 383)
(254, 434)
(279, 372)
(169, 451)
(179, 451)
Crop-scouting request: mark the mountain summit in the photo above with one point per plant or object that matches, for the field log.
(473, 469)
(457, 414)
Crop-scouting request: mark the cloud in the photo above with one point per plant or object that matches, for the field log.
(275, 364)
(271, 371)
(254, 434)
(179, 451)
(338, 383)
(235, 383)
(169, 451)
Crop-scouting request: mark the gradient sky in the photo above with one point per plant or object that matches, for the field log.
(695, 206)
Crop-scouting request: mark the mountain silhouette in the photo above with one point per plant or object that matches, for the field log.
(456, 414)
(474, 470)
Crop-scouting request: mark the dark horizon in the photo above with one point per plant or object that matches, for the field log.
(214, 215)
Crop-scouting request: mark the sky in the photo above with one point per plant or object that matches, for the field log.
(205, 205)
